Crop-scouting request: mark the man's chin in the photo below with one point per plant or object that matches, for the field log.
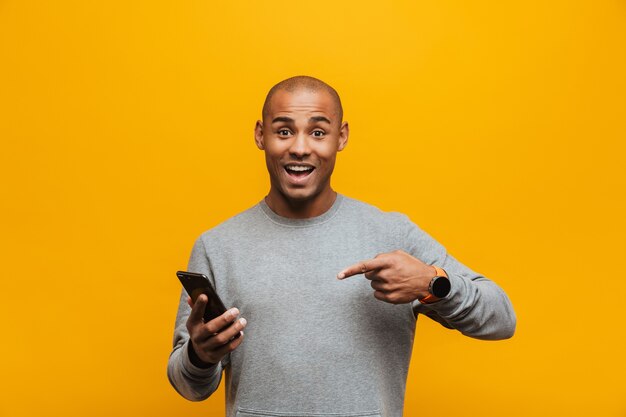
(299, 197)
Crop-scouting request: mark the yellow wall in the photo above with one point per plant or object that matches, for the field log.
(126, 131)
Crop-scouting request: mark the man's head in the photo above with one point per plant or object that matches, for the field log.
(301, 132)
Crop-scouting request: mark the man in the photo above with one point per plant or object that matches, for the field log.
(320, 339)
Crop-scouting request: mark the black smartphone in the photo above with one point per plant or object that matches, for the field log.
(196, 284)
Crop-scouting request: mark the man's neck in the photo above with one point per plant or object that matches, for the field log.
(313, 207)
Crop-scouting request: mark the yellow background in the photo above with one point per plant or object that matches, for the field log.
(126, 131)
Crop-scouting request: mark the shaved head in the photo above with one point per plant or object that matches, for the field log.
(303, 82)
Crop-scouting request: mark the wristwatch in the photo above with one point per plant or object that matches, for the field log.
(438, 288)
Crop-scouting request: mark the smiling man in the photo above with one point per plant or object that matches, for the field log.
(301, 132)
(328, 288)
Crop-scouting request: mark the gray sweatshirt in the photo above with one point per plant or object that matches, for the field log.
(315, 345)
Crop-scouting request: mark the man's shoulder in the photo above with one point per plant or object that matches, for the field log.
(239, 222)
(382, 224)
(372, 213)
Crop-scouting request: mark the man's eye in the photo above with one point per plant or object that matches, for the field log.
(284, 132)
(318, 133)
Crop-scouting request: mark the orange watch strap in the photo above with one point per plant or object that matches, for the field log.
(428, 299)
(440, 272)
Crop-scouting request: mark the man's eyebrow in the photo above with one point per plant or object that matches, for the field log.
(311, 119)
(320, 119)
(283, 119)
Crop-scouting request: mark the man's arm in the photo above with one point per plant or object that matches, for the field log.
(193, 382)
(475, 306)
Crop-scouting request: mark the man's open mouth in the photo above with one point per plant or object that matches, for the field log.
(299, 171)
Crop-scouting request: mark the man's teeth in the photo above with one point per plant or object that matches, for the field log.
(299, 168)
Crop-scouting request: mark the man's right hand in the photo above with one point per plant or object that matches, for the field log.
(211, 341)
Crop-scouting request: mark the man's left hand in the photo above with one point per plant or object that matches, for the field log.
(396, 277)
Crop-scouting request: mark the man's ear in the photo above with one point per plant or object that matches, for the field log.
(344, 132)
(258, 135)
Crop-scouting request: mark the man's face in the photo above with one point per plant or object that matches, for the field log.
(301, 136)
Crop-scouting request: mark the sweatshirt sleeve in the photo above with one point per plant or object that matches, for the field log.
(190, 381)
(475, 306)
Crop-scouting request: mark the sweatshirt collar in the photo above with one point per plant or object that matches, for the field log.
(310, 221)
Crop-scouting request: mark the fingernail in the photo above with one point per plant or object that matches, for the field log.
(340, 275)
(233, 312)
(243, 321)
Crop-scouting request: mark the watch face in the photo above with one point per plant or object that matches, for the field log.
(441, 287)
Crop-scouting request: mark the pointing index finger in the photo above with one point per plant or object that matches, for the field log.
(361, 268)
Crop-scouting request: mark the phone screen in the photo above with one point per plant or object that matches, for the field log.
(196, 284)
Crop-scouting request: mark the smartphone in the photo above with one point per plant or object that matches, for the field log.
(196, 284)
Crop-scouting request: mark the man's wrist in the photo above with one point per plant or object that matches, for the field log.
(195, 359)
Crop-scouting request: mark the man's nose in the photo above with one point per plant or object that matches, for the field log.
(300, 146)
